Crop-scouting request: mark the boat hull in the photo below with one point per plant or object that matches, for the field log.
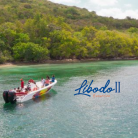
(35, 94)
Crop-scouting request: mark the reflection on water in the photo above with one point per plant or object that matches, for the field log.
(9, 107)
(45, 97)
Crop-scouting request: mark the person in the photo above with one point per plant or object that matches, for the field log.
(48, 77)
(53, 78)
(36, 85)
(28, 86)
(26, 90)
(47, 81)
(14, 89)
(18, 90)
(31, 81)
(43, 82)
(22, 84)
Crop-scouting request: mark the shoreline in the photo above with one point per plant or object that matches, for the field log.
(10, 64)
(7, 65)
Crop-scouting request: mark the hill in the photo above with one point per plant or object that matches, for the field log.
(36, 30)
(12, 10)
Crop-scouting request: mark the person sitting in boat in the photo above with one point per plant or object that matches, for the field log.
(53, 78)
(43, 82)
(36, 85)
(18, 90)
(31, 81)
(28, 86)
(26, 90)
(47, 81)
(22, 84)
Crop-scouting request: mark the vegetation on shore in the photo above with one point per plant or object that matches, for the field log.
(37, 30)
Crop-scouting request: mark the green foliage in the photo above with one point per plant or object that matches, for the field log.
(93, 49)
(33, 30)
(103, 28)
(133, 30)
(2, 45)
(29, 52)
(2, 58)
(72, 13)
(114, 44)
(63, 44)
(21, 37)
(89, 32)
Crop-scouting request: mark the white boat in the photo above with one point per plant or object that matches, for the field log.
(36, 90)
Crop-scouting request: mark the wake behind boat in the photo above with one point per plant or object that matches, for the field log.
(35, 90)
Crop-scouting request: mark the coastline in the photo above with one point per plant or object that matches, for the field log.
(7, 65)
(10, 64)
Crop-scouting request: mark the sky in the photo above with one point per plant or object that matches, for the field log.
(110, 8)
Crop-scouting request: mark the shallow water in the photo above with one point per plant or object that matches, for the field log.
(60, 114)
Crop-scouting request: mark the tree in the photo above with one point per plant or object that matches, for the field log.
(29, 52)
(133, 30)
(114, 44)
(89, 32)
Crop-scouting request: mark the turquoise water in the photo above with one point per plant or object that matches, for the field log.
(60, 114)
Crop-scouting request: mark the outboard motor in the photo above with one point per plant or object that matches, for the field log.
(5, 96)
(12, 97)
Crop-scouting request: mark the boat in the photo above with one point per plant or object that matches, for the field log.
(35, 90)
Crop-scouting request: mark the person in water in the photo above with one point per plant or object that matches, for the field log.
(22, 84)
(47, 81)
(53, 78)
